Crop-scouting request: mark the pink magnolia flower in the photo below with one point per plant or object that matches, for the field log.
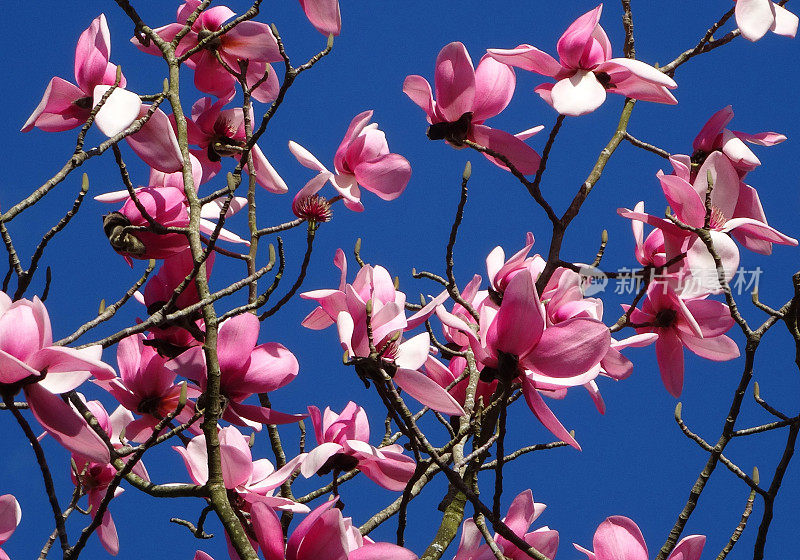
(714, 136)
(465, 98)
(521, 514)
(756, 17)
(324, 15)
(65, 105)
(363, 158)
(249, 41)
(10, 516)
(343, 444)
(147, 387)
(619, 538)
(347, 307)
(323, 535)
(94, 477)
(585, 70)
(252, 481)
(246, 369)
(514, 341)
(697, 324)
(220, 133)
(29, 362)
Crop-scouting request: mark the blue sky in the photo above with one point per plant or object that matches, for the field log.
(635, 461)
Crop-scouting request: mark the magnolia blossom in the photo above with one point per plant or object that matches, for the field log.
(65, 105)
(756, 17)
(714, 136)
(324, 15)
(348, 308)
(252, 481)
(522, 512)
(465, 98)
(362, 158)
(619, 538)
(246, 369)
(221, 133)
(10, 516)
(30, 362)
(343, 444)
(324, 534)
(585, 70)
(147, 387)
(248, 41)
(697, 324)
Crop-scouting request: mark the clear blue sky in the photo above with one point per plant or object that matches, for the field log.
(635, 461)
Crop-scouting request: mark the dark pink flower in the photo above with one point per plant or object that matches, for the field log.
(465, 98)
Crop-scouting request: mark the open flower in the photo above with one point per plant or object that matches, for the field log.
(65, 105)
(343, 444)
(585, 70)
(363, 158)
(465, 98)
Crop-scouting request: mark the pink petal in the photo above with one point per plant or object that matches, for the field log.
(635, 79)
(494, 87)
(573, 44)
(419, 90)
(306, 158)
(521, 156)
(92, 54)
(268, 531)
(156, 142)
(251, 40)
(386, 176)
(683, 199)
(392, 471)
(545, 415)
(688, 548)
(271, 367)
(120, 109)
(10, 516)
(785, 21)
(266, 176)
(57, 111)
(65, 424)
(427, 392)
(718, 348)
(381, 551)
(237, 338)
(570, 348)
(519, 324)
(707, 136)
(324, 15)
(454, 81)
(619, 538)
(528, 58)
(669, 354)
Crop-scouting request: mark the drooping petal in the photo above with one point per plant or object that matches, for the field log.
(528, 58)
(266, 176)
(669, 354)
(57, 110)
(545, 415)
(419, 90)
(156, 142)
(427, 392)
(521, 156)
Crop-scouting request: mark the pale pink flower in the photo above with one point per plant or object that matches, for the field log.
(362, 158)
(29, 362)
(697, 324)
(343, 444)
(251, 481)
(465, 98)
(619, 538)
(10, 516)
(521, 514)
(756, 17)
(324, 15)
(324, 534)
(246, 369)
(585, 70)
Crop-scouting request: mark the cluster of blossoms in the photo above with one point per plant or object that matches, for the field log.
(529, 329)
